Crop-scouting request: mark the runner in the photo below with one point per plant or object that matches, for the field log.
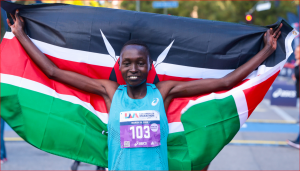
(137, 125)
(295, 77)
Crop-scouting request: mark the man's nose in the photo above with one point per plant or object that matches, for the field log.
(133, 68)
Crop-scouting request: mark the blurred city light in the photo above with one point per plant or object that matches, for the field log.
(248, 17)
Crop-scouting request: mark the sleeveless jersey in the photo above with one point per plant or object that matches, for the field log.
(142, 158)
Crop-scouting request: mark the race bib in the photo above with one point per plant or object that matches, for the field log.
(139, 129)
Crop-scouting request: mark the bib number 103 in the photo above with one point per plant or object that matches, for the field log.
(140, 132)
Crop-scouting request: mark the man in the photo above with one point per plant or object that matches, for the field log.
(127, 104)
(295, 77)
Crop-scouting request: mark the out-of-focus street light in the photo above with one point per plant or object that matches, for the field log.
(248, 17)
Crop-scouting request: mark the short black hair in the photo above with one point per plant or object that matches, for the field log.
(137, 42)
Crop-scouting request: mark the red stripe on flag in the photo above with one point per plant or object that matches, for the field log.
(224, 91)
(255, 94)
(176, 106)
(92, 71)
(27, 69)
(15, 62)
(118, 73)
(151, 75)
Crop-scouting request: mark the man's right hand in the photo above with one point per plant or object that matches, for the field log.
(18, 26)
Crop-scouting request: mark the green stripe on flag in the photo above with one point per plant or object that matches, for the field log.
(70, 130)
(209, 126)
(54, 125)
(178, 155)
(11, 110)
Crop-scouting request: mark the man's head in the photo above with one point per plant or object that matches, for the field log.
(135, 62)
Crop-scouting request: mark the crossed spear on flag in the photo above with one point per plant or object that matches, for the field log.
(116, 74)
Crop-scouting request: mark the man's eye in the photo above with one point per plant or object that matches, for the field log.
(126, 64)
(141, 63)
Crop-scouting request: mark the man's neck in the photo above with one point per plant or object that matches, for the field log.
(137, 92)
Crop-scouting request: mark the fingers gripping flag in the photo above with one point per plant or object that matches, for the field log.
(65, 121)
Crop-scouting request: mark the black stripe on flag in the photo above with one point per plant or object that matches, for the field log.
(197, 42)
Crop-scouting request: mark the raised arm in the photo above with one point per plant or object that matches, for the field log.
(105, 88)
(171, 89)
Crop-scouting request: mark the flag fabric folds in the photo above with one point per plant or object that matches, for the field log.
(65, 121)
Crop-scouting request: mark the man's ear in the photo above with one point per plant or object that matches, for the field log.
(151, 62)
(119, 62)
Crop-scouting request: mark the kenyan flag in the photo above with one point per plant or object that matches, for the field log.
(65, 121)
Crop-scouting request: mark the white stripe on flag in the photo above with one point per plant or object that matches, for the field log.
(241, 105)
(190, 72)
(40, 88)
(8, 35)
(175, 127)
(71, 54)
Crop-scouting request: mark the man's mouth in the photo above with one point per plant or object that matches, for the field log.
(133, 77)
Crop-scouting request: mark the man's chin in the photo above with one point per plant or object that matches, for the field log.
(135, 83)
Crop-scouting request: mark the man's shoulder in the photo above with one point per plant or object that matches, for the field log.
(165, 84)
(108, 83)
(109, 86)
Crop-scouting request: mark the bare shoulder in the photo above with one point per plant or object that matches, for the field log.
(165, 87)
(109, 86)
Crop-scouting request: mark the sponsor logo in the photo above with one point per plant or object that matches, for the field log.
(126, 143)
(153, 143)
(139, 115)
(131, 115)
(154, 127)
(140, 143)
(147, 115)
(155, 101)
(103, 132)
(284, 93)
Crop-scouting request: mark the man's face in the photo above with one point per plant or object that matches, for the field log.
(134, 64)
